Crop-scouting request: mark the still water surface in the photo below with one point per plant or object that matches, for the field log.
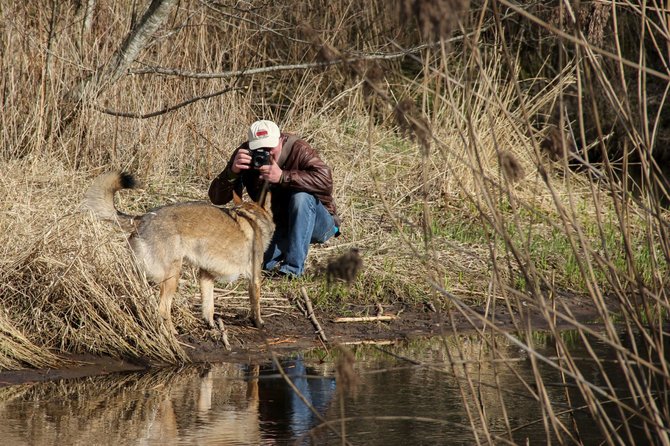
(396, 401)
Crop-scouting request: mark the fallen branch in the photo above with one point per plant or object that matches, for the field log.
(309, 312)
(224, 333)
(389, 317)
(369, 342)
(282, 341)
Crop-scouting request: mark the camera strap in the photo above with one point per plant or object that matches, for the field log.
(286, 150)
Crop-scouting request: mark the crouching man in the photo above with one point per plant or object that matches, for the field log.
(301, 183)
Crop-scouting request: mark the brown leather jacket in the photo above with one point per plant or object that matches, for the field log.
(303, 170)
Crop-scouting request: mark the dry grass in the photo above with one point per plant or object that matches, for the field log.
(63, 280)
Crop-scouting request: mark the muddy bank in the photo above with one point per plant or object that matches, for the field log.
(288, 333)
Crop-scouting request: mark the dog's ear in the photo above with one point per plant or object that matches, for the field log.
(267, 204)
(264, 197)
(237, 200)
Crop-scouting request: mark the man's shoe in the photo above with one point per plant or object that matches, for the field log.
(278, 274)
(286, 274)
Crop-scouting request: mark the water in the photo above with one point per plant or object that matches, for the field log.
(395, 402)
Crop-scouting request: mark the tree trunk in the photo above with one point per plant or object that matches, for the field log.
(138, 38)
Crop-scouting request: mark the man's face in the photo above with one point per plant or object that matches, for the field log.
(276, 151)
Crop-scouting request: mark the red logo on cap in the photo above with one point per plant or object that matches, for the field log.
(261, 133)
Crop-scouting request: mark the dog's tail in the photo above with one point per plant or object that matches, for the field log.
(99, 198)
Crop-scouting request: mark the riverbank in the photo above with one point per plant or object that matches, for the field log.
(291, 332)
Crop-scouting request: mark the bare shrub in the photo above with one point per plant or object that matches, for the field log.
(511, 167)
(436, 18)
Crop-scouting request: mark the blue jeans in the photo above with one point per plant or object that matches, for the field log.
(305, 220)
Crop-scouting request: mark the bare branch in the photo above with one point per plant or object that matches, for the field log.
(166, 109)
(275, 68)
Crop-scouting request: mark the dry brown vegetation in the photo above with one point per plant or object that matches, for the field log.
(450, 175)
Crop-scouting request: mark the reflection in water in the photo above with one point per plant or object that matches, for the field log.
(283, 412)
(397, 402)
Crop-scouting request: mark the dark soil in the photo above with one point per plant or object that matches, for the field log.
(288, 333)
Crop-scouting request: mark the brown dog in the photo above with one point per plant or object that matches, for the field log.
(221, 242)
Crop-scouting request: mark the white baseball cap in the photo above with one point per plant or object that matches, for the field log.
(263, 134)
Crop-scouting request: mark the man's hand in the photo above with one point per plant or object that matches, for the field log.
(271, 172)
(241, 162)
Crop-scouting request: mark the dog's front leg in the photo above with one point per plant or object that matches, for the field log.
(167, 289)
(207, 293)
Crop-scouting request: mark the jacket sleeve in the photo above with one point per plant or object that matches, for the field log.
(308, 172)
(222, 187)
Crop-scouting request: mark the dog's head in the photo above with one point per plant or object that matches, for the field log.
(264, 200)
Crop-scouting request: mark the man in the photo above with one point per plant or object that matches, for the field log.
(301, 184)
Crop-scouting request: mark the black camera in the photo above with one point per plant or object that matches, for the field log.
(260, 157)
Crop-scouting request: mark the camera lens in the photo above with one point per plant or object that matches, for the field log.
(260, 157)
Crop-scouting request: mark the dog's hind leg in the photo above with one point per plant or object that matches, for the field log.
(207, 293)
(255, 293)
(255, 279)
(255, 297)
